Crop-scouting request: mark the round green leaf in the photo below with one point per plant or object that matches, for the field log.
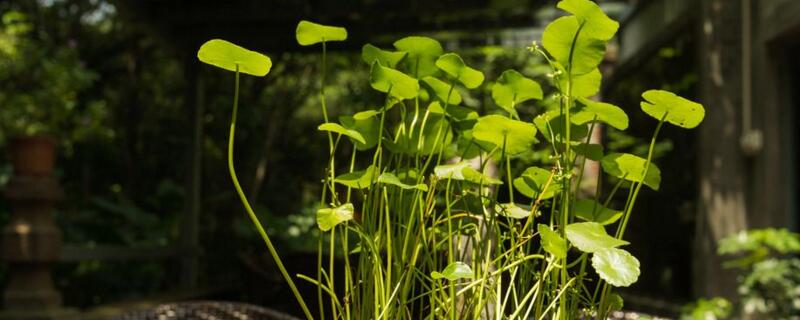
(358, 179)
(454, 271)
(228, 56)
(591, 151)
(552, 242)
(367, 124)
(597, 23)
(680, 111)
(327, 218)
(517, 135)
(591, 237)
(453, 65)
(433, 137)
(551, 124)
(629, 167)
(308, 33)
(422, 54)
(586, 53)
(585, 85)
(603, 112)
(441, 90)
(391, 179)
(532, 183)
(512, 211)
(592, 211)
(513, 88)
(335, 127)
(385, 79)
(370, 54)
(616, 266)
(464, 172)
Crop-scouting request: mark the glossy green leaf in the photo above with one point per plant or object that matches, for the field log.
(518, 136)
(394, 82)
(386, 58)
(585, 85)
(391, 179)
(367, 124)
(582, 57)
(551, 125)
(228, 56)
(512, 211)
(464, 172)
(308, 33)
(591, 151)
(422, 54)
(532, 183)
(358, 179)
(629, 167)
(327, 218)
(453, 65)
(596, 23)
(337, 128)
(591, 237)
(454, 271)
(513, 88)
(592, 211)
(603, 112)
(616, 266)
(680, 111)
(441, 90)
(552, 242)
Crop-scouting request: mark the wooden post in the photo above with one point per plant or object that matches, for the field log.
(31, 242)
(723, 171)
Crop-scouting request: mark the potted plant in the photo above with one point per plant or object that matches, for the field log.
(438, 212)
(39, 89)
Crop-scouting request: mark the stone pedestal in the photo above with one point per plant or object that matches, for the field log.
(31, 241)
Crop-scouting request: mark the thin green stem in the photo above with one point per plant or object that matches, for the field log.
(249, 210)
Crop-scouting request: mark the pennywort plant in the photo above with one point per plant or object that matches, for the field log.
(429, 214)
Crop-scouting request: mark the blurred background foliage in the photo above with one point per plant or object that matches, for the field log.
(114, 93)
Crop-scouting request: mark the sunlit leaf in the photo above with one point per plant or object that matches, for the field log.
(582, 57)
(552, 242)
(513, 88)
(337, 128)
(596, 22)
(591, 237)
(386, 58)
(358, 179)
(422, 54)
(585, 85)
(551, 125)
(308, 33)
(603, 112)
(454, 271)
(592, 211)
(390, 178)
(680, 111)
(327, 218)
(532, 183)
(464, 172)
(616, 266)
(453, 65)
(367, 124)
(228, 56)
(518, 136)
(441, 90)
(512, 211)
(394, 82)
(629, 167)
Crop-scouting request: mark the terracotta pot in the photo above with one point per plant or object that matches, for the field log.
(33, 155)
